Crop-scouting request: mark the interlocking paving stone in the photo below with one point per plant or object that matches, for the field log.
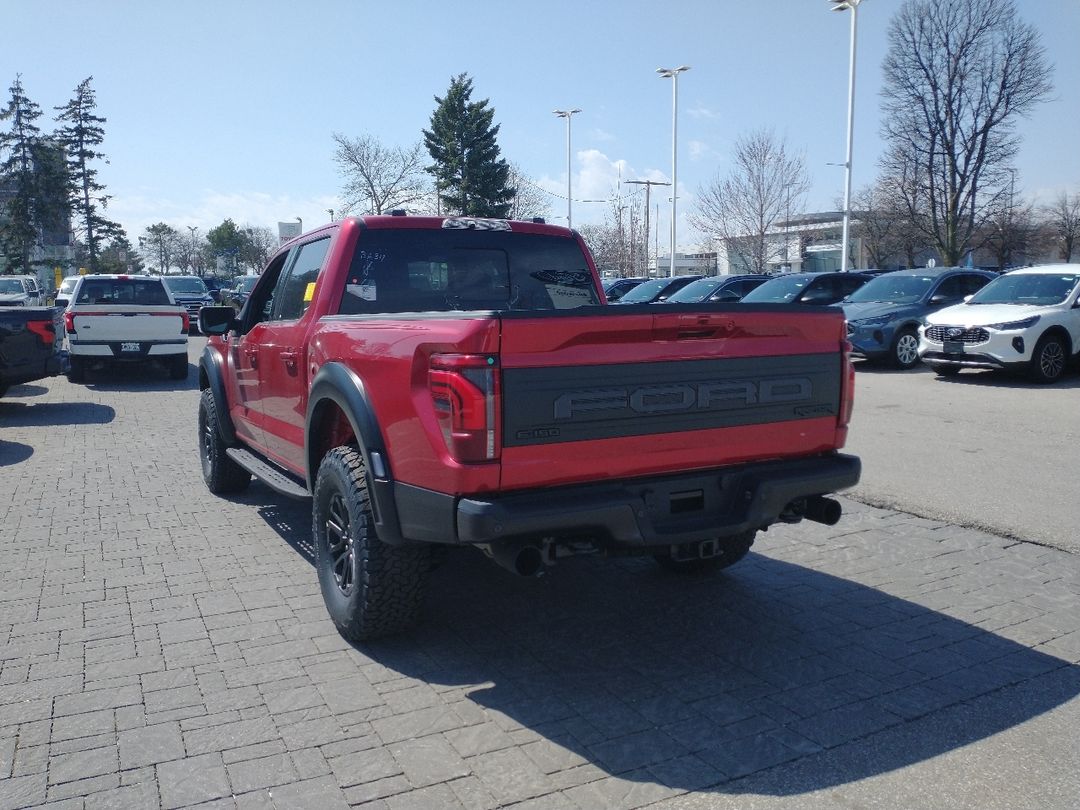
(150, 745)
(145, 662)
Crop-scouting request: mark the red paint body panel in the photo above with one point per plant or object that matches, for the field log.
(269, 372)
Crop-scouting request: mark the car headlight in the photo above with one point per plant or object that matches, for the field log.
(880, 320)
(1013, 325)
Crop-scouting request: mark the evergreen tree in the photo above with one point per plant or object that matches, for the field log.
(470, 177)
(160, 243)
(31, 188)
(80, 134)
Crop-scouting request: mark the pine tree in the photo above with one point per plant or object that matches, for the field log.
(470, 177)
(28, 181)
(81, 134)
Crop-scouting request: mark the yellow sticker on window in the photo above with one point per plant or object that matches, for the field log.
(309, 292)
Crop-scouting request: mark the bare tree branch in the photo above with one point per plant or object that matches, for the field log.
(764, 186)
(377, 178)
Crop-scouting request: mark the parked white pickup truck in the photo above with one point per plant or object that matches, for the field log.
(125, 319)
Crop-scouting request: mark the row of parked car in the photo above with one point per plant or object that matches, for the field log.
(951, 318)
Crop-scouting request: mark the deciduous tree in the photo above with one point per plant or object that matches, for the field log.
(957, 76)
(380, 178)
(764, 186)
(1062, 219)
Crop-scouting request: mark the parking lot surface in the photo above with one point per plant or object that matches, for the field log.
(161, 647)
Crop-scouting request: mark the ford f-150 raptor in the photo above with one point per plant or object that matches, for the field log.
(454, 381)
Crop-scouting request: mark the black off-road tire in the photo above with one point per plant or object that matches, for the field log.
(178, 367)
(732, 549)
(371, 589)
(76, 369)
(904, 354)
(1049, 360)
(221, 474)
(943, 370)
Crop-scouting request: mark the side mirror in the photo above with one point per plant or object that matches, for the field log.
(217, 320)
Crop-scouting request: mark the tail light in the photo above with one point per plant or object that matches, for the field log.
(185, 320)
(44, 330)
(69, 321)
(465, 391)
(847, 384)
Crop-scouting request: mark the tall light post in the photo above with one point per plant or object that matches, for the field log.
(301, 224)
(567, 114)
(853, 7)
(648, 188)
(194, 229)
(330, 211)
(673, 74)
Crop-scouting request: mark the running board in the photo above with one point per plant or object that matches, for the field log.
(270, 475)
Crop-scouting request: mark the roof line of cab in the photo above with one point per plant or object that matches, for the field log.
(402, 219)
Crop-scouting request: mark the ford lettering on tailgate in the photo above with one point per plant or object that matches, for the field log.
(546, 405)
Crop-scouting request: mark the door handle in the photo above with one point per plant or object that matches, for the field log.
(252, 356)
(290, 358)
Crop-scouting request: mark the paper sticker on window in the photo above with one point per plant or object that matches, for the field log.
(309, 292)
(365, 292)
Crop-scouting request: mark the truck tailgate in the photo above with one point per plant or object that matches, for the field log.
(646, 392)
(126, 322)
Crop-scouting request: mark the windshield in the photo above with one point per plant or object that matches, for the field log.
(646, 292)
(778, 291)
(1038, 289)
(892, 288)
(11, 285)
(246, 284)
(695, 291)
(186, 286)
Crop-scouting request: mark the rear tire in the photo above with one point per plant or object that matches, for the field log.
(732, 549)
(1048, 361)
(370, 588)
(76, 370)
(221, 474)
(905, 349)
(178, 367)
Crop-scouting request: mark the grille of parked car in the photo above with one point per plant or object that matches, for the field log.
(192, 306)
(939, 334)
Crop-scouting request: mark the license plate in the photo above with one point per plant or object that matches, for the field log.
(953, 347)
(130, 347)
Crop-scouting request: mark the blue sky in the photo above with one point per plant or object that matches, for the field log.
(227, 108)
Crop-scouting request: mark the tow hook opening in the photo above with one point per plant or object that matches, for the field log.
(699, 550)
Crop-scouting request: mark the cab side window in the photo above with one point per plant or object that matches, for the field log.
(261, 301)
(952, 289)
(296, 288)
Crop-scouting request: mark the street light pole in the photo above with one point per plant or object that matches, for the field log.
(567, 114)
(330, 211)
(193, 229)
(673, 74)
(853, 7)
(648, 188)
(301, 224)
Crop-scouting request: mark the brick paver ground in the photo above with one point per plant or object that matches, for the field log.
(161, 647)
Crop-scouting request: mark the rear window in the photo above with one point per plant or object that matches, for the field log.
(413, 270)
(144, 291)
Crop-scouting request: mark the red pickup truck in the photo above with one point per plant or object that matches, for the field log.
(432, 381)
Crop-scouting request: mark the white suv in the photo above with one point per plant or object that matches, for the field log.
(1028, 319)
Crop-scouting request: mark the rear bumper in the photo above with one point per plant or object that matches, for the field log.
(640, 513)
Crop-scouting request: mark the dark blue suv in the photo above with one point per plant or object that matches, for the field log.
(885, 313)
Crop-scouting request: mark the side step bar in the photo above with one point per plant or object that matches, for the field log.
(270, 475)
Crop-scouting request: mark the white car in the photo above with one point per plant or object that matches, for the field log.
(63, 292)
(1028, 319)
(125, 319)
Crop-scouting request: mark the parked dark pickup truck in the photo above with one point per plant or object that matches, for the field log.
(461, 382)
(30, 340)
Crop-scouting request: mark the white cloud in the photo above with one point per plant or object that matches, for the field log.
(601, 135)
(137, 210)
(701, 111)
(698, 150)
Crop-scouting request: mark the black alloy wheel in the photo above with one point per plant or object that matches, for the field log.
(221, 474)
